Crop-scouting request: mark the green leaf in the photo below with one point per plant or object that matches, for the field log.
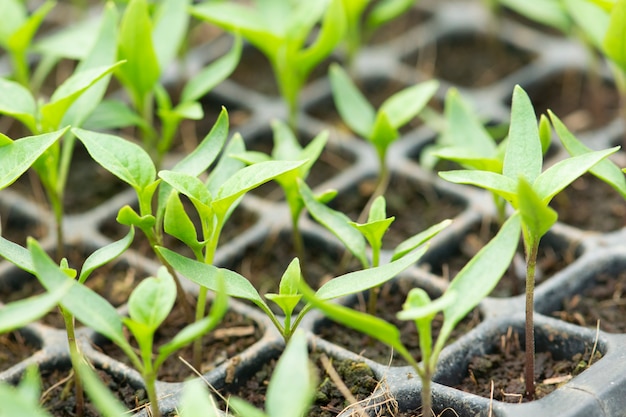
(503, 186)
(418, 305)
(523, 152)
(105, 255)
(606, 170)
(245, 409)
(352, 106)
(21, 154)
(419, 239)
(189, 186)
(547, 12)
(293, 384)
(226, 166)
(16, 101)
(73, 41)
(124, 159)
(178, 224)
(563, 173)
(591, 18)
(331, 32)
(383, 134)
(87, 306)
(19, 401)
(141, 71)
(469, 159)
(20, 40)
(537, 216)
(152, 300)
(170, 28)
(14, 14)
(67, 93)
(196, 401)
(212, 74)
(249, 178)
(113, 114)
(615, 38)
(19, 313)
(209, 276)
(406, 104)
(337, 223)
(99, 394)
(129, 217)
(17, 255)
(288, 296)
(357, 281)
(545, 133)
(384, 11)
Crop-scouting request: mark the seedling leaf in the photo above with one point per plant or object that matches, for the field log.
(353, 107)
(615, 38)
(152, 300)
(537, 216)
(105, 254)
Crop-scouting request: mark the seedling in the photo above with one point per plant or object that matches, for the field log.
(379, 127)
(214, 200)
(529, 191)
(363, 21)
(287, 148)
(149, 305)
(461, 296)
(281, 30)
(149, 44)
(288, 297)
(70, 104)
(355, 236)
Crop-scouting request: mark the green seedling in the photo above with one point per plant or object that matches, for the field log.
(148, 306)
(24, 259)
(70, 104)
(355, 236)
(529, 190)
(281, 30)
(149, 44)
(288, 297)
(474, 282)
(465, 141)
(17, 33)
(363, 20)
(287, 148)
(379, 127)
(214, 200)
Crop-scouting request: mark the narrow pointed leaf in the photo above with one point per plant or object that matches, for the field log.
(406, 104)
(17, 255)
(105, 255)
(169, 30)
(351, 104)
(499, 184)
(615, 38)
(152, 300)
(16, 101)
(537, 216)
(196, 400)
(99, 394)
(419, 239)
(178, 224)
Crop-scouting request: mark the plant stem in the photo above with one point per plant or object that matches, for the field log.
(427, 401)
(381, 188)
(150, 380)
(75, 358)
(529, 372)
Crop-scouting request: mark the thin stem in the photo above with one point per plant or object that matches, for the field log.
(150, 381)
(20, 68)
(197, 344)
(381, 188)
(529, 372)
(427, 401)
(75, 358)
(373, 292)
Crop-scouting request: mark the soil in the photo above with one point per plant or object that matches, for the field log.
(16, 227)
(551, 259)
(389, 304)
(580, 101)
(61, 403)
(416, 206)
(602, 302)
(14, 348)
(505, 368)
(469, 59)
(398, 26)
(591, 204)
(234, 334)
(329, 401)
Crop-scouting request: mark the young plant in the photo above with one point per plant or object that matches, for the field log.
(288, 297)
(149, 44)
(24, 260)
(529, 190)
(149, 305)
(281, 31)
(70, 104)
(287, 148)
(363, 20)
(355, 236)
(379, 127)
(465, 141)
(474, 282)
(214, 200)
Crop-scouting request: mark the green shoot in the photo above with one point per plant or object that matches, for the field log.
(529, 190)
(281, 30)
(462, 295)
(380, 128)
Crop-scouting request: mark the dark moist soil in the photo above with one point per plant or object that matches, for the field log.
(581, 102)
(389, 304)
(415, 206)
(60, 403)
(469, 59)
(329, 401)
(505, 367)
(591, 204)
(550, 260)
(603, 301)
(234, 334)
(16, 227)
(14, 348)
